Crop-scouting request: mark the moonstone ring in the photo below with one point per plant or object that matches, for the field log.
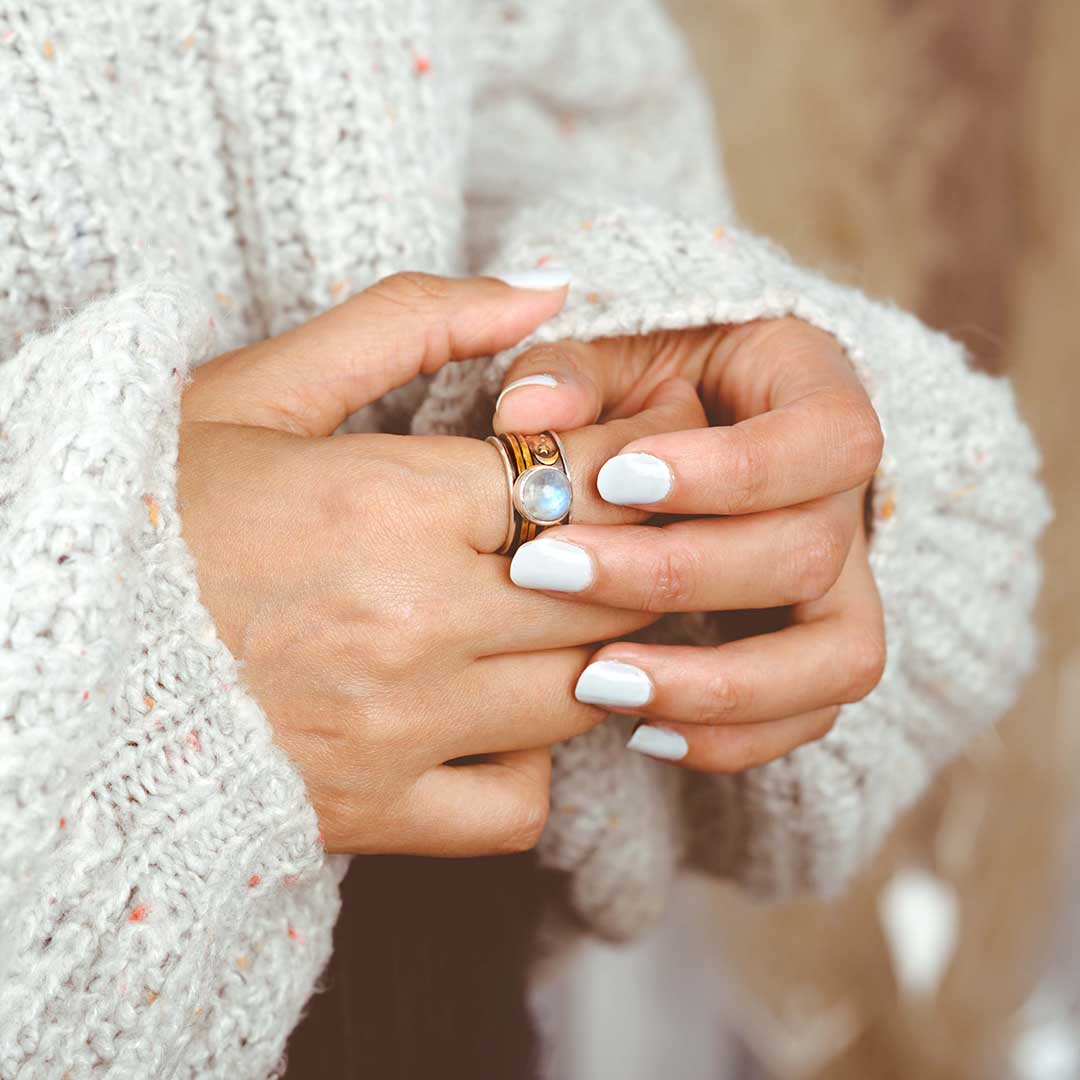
(540, 490)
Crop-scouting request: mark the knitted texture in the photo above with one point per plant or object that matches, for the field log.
(187, 177)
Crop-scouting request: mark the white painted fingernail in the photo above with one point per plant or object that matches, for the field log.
(634, 480)
(540, 277)
(527, 380)
(551, 564)
(658, 742)
(614, 684)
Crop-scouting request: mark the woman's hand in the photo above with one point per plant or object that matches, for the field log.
(353, 578)
(775, 492)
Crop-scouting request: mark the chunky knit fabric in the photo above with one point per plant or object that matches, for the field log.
(181, 178)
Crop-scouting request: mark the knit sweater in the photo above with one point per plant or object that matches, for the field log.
(181, 178)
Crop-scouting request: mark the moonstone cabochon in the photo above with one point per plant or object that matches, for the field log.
(542, 494)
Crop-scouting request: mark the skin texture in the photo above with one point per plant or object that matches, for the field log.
(355, 579)
(767, 510)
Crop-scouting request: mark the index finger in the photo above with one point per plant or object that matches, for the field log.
(801, 427)
(824, 443)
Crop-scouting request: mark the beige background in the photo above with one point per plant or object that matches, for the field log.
(928, 150)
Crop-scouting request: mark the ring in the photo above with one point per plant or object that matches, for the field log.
(540, 490)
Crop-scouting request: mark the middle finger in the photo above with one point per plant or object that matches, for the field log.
(772, 559)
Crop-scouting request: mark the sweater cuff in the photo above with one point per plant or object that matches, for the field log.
(957, 514)
(129, 748)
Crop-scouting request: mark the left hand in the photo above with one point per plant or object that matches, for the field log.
(775, 495)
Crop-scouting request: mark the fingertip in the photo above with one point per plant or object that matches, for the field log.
(634, 478)
(541, 403)
(550, 382)
(538, 278)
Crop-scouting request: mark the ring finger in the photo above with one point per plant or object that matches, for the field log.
(770, 677)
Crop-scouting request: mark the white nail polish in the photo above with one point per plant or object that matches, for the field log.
(634, 480)
(658, 742)
(614, 684)
(551, 564)
(526, 380)
(540, 277)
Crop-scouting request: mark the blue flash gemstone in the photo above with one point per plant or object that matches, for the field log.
(543, 494)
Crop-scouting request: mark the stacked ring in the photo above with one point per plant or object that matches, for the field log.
(540, 491)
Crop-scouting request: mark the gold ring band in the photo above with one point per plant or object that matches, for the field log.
(541, 494)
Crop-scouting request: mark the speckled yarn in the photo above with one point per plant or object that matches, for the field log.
(180, 178)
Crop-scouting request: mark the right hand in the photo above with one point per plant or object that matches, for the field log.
(354, 577)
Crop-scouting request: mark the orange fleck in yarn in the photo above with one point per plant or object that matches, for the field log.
(138, 914)
(153, 510)
(422, 63)
(254, 880)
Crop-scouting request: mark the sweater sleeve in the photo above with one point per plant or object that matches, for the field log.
(607, 178)
(158, 849)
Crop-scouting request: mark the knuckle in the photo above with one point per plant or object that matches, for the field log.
(866, 665)
(411, 289)
(374, 727)
(740, 749)
(423, 299)
(720, 699)
(672, 582)
(399, 650)
(819, 557)
(863, 438)
(525, 822)
(825, 724)
(744, 476)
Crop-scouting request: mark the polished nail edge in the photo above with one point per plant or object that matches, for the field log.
(614, 684)
(552, 565)
(541, 277)
(618, 476)
(526, 380)
(658, 742)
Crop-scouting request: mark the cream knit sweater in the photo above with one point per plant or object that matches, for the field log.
(177, 178)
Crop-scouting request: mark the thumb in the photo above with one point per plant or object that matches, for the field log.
(308, 380)
(568, 384)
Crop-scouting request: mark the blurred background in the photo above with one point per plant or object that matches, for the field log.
(929, 152)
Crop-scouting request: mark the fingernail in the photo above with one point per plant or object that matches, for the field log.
(551, 564)
(634, 480)
(527, 380)
(540, 277)
(658, 742)
(614, 684)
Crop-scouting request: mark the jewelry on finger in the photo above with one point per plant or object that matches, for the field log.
(541, 494)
